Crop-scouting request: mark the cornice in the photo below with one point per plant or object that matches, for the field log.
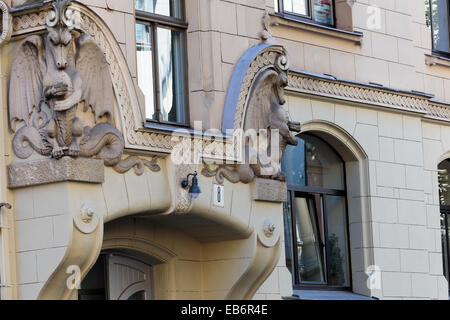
(367, 94)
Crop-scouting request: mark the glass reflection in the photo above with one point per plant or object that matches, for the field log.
(314, 164)
(293, 164)
(140, 295)
(445, 243)
(323, 11)
(310, 264)
(171, 75)
(296, 6)
(439, 18)
(443, 178)
(145, 67)
(337, 255)
(162, 7)
(288, 235)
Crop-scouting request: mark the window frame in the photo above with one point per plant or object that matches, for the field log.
(430, 14)
(306, 18)
(172, 23)
(445, 211)
(308, 193)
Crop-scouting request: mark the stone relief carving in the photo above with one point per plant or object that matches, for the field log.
(51, 76)
(6, 23)
(137, 164)
(265, 34)
(264, 111)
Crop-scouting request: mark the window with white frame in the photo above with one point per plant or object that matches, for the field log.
(317, 11)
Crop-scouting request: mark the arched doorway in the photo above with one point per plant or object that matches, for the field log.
(116, 276)
(316, 222)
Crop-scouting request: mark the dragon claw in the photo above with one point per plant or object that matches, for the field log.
(58, 152)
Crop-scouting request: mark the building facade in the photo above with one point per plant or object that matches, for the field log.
(225, 149)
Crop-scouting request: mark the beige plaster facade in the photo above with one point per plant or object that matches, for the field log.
(390, 134)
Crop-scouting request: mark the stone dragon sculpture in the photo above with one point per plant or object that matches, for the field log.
(50, 76)
(265, 117)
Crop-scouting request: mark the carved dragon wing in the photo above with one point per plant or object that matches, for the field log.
(262, 96)
(97, 85)
(26, 83)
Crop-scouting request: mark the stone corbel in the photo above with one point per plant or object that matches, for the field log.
(262, 265)
(81, 254)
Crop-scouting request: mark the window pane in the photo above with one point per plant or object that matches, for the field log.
(163, 7)
(338, 270)
(445, 243)
(323, 11)
(439, 17)
(296, 6)
(324, 168)
(170, 63)
(313, 163)
(310, 264)
(288, 235)
(140, 295)
(294, 165)
(145, 67)
(443, 178)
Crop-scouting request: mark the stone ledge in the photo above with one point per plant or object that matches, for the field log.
(269, 190)
(431, 60)
(32, 173)
(279, 19)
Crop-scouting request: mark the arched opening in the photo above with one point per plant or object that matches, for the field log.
(316, 221)
(444, 200)
(118, 275)
(345, 173)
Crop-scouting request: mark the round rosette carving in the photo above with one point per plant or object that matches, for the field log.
(268, 232)
(87, 219)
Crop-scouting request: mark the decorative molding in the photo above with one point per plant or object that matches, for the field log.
(327, 87)
(30, 20)
(438, 111)
(6, 23)
(137, 164)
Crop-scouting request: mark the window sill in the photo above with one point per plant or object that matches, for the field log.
(180, 130)
(278, 19)
(329, 295)
(433, 59)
